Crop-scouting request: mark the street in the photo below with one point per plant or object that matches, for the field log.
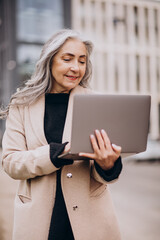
(136, 196)
(137, 200)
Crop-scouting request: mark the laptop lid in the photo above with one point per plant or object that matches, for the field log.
(125, 118)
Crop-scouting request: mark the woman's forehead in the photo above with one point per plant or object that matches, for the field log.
(73, 46)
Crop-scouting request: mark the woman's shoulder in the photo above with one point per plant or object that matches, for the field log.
(20, 107)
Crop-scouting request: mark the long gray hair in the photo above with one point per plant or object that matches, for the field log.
(41, 80)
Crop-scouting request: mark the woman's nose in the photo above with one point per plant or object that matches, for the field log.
(75, 66)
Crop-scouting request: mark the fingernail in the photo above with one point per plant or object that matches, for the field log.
(115, 146)
(103, 131)
(97, 131)
(92, 136)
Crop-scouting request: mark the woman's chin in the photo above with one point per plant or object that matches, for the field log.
(70, 86)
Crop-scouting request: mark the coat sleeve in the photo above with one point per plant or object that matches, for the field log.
(106, 179)
(111, 174)
(17, 161)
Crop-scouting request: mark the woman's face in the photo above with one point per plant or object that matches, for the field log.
(68, 66)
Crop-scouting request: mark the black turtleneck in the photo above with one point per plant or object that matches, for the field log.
(54, 119)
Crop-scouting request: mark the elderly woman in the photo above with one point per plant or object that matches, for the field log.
(58, 198)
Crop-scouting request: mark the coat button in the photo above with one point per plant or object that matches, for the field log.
(69, 175)
(75, 208)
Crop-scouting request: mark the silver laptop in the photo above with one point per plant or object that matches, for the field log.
(125, 118)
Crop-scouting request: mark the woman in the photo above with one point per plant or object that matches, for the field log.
(58, 199)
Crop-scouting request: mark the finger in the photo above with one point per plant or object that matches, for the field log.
(100, 140)
(94, 143)
(106, 139)
(117, 149)
(88, 155)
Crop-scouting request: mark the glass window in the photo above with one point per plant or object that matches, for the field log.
(27, 56)
(38, 19)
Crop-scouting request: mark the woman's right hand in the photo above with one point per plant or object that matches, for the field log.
(105, 153)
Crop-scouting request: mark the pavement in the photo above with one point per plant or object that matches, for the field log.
(136, 197)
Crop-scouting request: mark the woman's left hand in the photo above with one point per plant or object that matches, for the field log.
(105, 153)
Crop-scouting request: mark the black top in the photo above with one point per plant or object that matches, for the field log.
(54, 119)
(55, 114)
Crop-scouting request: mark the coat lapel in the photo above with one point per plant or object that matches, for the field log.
(67, 127)
(36, 114)
(68, 123)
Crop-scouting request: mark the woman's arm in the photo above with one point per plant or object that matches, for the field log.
(17, 160)
(55, 150)
(111, 174)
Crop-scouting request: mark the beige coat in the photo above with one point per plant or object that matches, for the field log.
(26, 157)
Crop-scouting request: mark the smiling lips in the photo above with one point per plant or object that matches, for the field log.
(71, 77)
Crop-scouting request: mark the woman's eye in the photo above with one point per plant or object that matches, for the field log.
(82, 62)
(66, 59)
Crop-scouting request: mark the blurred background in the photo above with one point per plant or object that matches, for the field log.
(126, 60)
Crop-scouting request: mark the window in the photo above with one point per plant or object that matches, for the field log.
(37, 20)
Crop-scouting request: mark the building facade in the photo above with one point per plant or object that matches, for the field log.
(24, 27)
(126, 35)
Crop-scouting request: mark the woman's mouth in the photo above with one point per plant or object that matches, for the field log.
(71, 77)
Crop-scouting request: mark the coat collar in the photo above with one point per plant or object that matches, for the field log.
(36, 113)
